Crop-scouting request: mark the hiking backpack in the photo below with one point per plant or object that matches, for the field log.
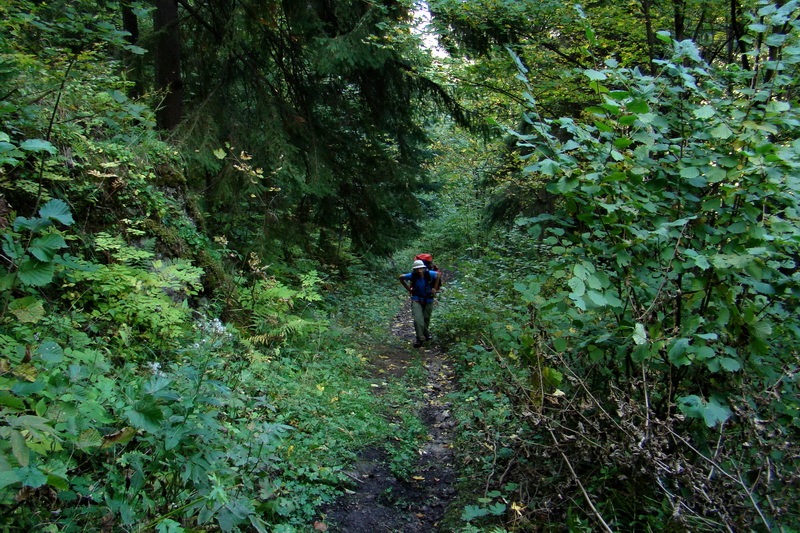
(428, 260)
(429, 265)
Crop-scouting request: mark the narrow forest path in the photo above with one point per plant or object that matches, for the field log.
(379, 502)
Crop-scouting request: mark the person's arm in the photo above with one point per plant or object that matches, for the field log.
(437, 282)
(402, 279)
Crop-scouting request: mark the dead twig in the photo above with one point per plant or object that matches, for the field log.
(738, 480)
(606, 527)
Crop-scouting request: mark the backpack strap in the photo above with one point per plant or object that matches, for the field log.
(429, 283)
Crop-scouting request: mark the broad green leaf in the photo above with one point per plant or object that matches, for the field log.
(19, 447)
(599, 280)
(57, 482)
(677, 352)
(602, 126)
(12, 248)
(578, 287)
(595, 75)
(689, 172)
(552, 376)
(33, 224)
(704, 112)
(169, 526)
(520, 66)
(8, 477)
(597, 298)
(35, 273)
(146, 415)
(219, 153)
(622, 142)
(704, 352)
(497, 509)
(51, 353)
(560, 344)
(721, 131)
(44, 248)
(715, 174)
(639, 334)
(31, 476)
(158, 387)
(471, 512)
(664, 36)
(711, 412)
(638, 107)
(761, 329)
(173, 439)
(730, 364)
(648, 118)
(138, 50)
(595, 354)
(775, 39)
(12, 401)
(30, 422)
(566, 184)
(548, 167)
(594, 282)
(692, 406)
(57, 210)
(777, 106)
(38, 145)
(714, 413)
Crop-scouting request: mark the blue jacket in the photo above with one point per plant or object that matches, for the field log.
(420, 288)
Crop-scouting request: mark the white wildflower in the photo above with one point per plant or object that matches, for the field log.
(155, 369)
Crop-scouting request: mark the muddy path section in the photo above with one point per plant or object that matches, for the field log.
(379, 502)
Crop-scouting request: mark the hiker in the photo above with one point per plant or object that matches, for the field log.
(424, 284)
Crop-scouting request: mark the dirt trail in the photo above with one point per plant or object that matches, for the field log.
(379, 502)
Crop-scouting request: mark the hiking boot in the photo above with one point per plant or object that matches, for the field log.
(417, 343)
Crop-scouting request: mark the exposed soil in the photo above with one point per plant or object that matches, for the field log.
(379, 502)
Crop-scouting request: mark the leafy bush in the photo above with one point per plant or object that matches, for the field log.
(103, 425)
(671, 273)
(122, 404)
(637, 351)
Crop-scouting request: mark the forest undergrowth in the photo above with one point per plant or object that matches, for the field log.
(404, 484)
(188, 342)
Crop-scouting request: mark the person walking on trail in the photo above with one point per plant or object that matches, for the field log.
(422, 284)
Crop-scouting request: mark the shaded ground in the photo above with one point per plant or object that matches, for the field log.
(381, 503)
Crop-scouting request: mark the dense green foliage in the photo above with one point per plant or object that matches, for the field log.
(638, 352)
(126, 403)
(328, 100)
(624, 327)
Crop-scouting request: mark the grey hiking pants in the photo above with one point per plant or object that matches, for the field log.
(422, 319)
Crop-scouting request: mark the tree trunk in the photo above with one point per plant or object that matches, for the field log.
(679, 19)
(738, 33)
(168, 64)
(651, 38)
(132, 62)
